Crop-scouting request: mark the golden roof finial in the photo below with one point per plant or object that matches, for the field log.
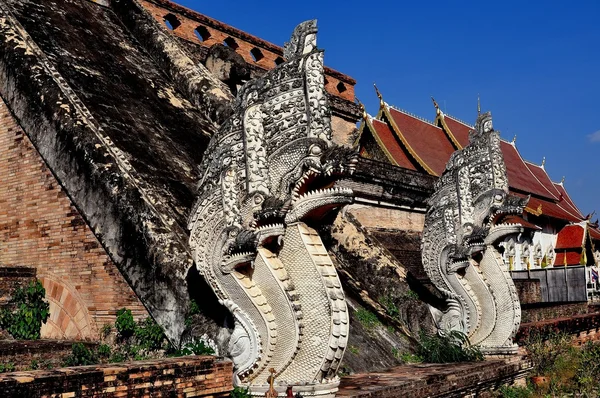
(378, 94)
(478, 105)
(365, 116)
(543, 161)
(437, 107)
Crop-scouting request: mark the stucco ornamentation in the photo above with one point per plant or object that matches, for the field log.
(463, 228)
(267, 174)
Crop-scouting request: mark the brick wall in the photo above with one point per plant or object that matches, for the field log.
(529, 290)
(45, 353)
(193, 376)
(373, 217)
(40, 228)
(536, 312)
(187, 23)
(467, 379)
(12, 278)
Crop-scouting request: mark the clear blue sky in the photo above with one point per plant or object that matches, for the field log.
(535, 65)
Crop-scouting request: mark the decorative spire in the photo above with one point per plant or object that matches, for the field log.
(378, 95)
(543, 162)
(478, 105)
(514, 140)
(562, 181)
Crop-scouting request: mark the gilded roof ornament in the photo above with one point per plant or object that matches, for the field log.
(365, 116)
(381, 102)
(435, 104)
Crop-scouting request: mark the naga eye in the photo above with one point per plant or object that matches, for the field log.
(498, 197)
(315, 150)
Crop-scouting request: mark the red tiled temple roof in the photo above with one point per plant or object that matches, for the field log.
(541, 175)
(426, 142)
(459, 129)
(566, 200)
(520, 176)
(418, 144)
(594, 233)
(572, 258)
(550, 209)
(514, 219)
(391, 146)
(570, 237)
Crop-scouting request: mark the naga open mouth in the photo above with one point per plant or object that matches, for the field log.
(314, 195)
(499, 224)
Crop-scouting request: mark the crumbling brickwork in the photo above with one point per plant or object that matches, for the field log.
(193, 376)
(204, 31)
(40, 228)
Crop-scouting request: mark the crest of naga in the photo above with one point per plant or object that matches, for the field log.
(267, 175)
(463, 226)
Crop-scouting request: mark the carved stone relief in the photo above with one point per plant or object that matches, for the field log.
(267, 175)
(463, 229)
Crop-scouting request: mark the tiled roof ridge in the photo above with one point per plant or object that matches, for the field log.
(536, 165)
(547, 175)
(420, 118)
(579, 216)
(568, 199)
(458, 120)
(553, 196)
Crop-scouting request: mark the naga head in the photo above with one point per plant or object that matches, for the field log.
(271, 167)
(466, 219)
(484, 201)
(274, 156)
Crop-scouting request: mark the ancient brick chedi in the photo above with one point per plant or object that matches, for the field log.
(265, 178)
(463, 225)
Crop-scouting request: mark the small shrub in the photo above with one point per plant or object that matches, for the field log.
(389, 305)
(353, 349)
(407, 357)
(34, 365)
(197, 347)
(588, 372)
(29, 311)
(80, 355)
(239, 392)
(103, 351)
(193, 310)
(544, 348)
(7, 367)
(367, 318)
(453, 346)
(106, 330)
(514, 392)
(125, 324)
(149, 334)
(117, 356)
